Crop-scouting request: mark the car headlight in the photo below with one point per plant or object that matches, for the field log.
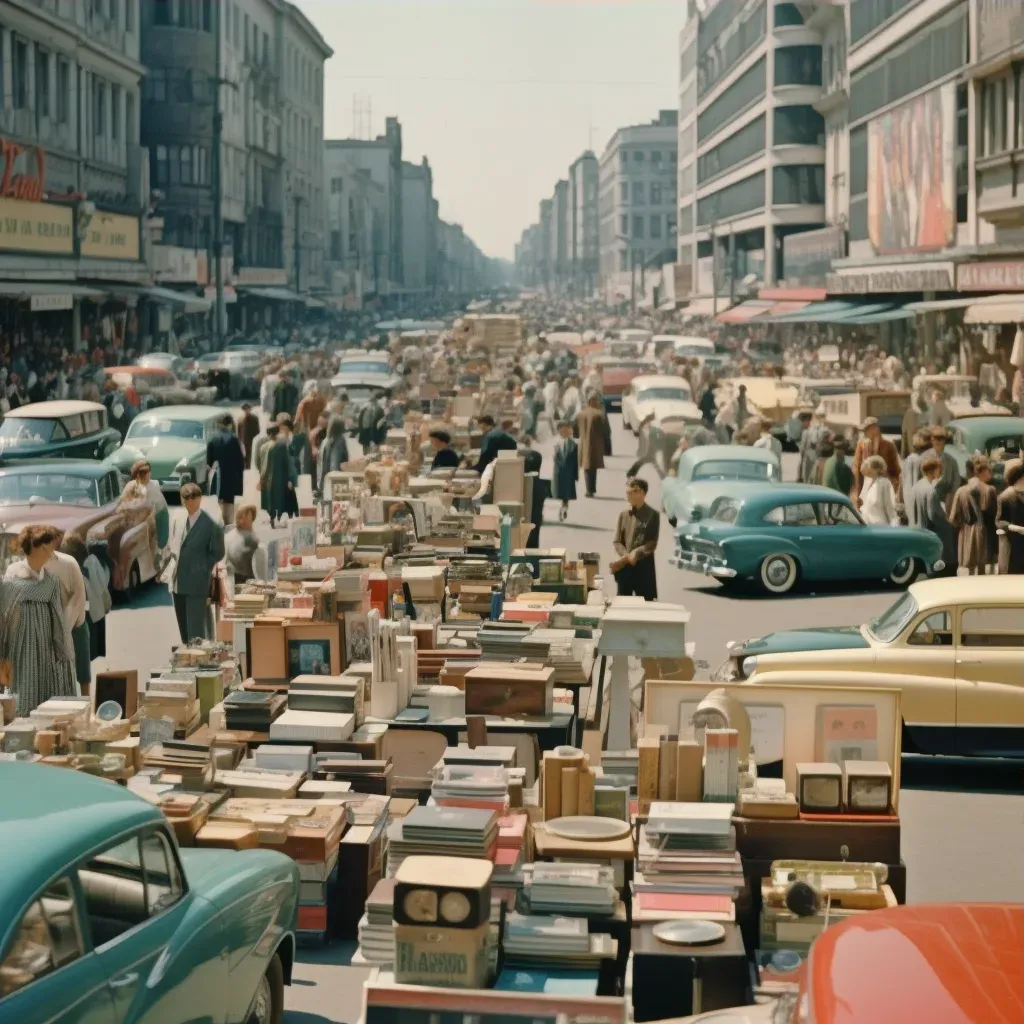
(749, 666)
(939, 565)
(182, 466)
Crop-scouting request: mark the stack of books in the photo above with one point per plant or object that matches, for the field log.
(461, 785)
(554, 942)
(252, 710)
(443, 832)
(312, 727)
(376, 931)
(687, 864)
(586, 890)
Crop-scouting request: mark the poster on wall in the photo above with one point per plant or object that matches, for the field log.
(912, 174)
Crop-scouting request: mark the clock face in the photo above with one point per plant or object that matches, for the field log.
(421, 906)
(454, 907)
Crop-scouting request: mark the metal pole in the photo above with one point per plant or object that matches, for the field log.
(632, 279)
(732, 268)
(218, 213)
(298, 248)
(714, 275)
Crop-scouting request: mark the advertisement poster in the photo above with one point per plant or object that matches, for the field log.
(912, 175)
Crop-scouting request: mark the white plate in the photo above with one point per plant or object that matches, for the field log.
(689, 933)
(588, 829)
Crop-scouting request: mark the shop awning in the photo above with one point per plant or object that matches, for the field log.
(314, 303)
(859, 311)
(804, 295)
(744, 311)
(26, 289)
(272, 294)
(880, 316)
(816, 312)
(706, 306)
(997, 309)
(937, 305)
(188, 301)
(789, 306)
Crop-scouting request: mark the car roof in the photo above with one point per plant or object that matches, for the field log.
(968, 590)
(183, 412)
(77, 467)
(772, 494)
(651, 380)
(731, 453)
(998, 424)
(135, 368)
(53, 410)
(51, 817)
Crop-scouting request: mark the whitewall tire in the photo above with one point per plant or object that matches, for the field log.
(778, 573)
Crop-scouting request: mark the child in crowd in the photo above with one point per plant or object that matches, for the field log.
(567, 468)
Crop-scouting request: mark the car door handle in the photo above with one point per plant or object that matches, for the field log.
(970, 661)
(124, 981)
(805, 538)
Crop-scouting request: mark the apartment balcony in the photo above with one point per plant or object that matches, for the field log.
(1001, 188)
(834, 97)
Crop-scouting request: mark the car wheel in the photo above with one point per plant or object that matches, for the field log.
(268, 1002)
(778, 573)
(904, 572)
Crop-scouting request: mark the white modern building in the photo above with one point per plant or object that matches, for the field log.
(637, 204)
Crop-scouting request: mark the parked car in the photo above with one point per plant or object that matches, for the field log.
(701, 472)
(1001, 438)
(173, 439)
(959, 391)
(362, 374)
(657, 395)
(682, 345)
(57, 430)
(781, 534)
(149, 387)
(952, 646)
(617, 373)
(103, 917)
(167, 361)
(81, 498)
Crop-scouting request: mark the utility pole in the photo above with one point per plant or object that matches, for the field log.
(218, 213)
(298, 248)
(714, 273)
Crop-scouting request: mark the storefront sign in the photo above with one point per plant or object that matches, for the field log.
(265, 277)
(176, 264)
(111, 236)
(36, 227)
(893, 279)
(996, 276)
(807, 257)
(48, 303)
(19, 185)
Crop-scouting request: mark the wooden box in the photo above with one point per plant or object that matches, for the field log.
(510, 691)
(441, 957)
(121, 686)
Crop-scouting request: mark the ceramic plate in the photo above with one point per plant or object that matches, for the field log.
(689, 933)
(588, 829)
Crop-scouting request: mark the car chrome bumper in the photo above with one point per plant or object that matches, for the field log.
(701, 563)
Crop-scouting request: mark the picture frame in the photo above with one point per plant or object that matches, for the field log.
(302, 535)
(357, 637)
(324, 647)
(309, 657)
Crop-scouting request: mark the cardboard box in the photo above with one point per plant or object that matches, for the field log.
(441, 957)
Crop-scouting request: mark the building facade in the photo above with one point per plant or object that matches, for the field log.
(356, 212)
(419, 227)
(560, 236)
(637, 204)
(584, 247)
(751, 71)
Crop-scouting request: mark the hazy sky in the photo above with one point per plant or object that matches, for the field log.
(500, 95)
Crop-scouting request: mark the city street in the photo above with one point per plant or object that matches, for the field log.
(981, 798)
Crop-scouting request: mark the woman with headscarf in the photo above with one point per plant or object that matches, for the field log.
(34, 652)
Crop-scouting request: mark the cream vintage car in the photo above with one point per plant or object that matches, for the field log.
(953, 646)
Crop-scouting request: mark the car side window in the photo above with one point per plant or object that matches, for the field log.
(835, 513)
(163, 880)
(932, 631)
(799, 514)
(93, 422)
(47, 937)
(992, 627)
(59, 431)
(74, 426)
(108, 489)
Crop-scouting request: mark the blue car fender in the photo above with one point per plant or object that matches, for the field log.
(745, 552)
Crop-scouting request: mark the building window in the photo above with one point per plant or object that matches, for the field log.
(739, 147)
(867, 15)
(160, 171)
(335, 245)
(793, 185)
(202, 165)
(742, 197)
(156, 85)
(624, 224)
(185, 166)
(747, 90)
(686, 219)
(798, 65)
(207, 15)
(63, 91)
(624, 191)
(99, 108)
(724, 36)
(638, 226)
(162, 12)
(655, 194)
(963, 183)
(623, 260)
(336, 184)
(638, 156)
(19, 72)
(798, 126)
(638, 193)
(115, 112)
(623, 157)
(655, 225)
(656, 158)
(129, 15)
(42, 82)
(115, 11)
(994, 119)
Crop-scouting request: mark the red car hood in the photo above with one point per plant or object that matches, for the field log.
(958, 963)
(616, 378)
(65, 517)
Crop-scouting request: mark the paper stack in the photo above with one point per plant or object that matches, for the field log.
(578, 889)
(460, 785)
(376, 931)
(252, 710)
(554, 941)
(443, 832)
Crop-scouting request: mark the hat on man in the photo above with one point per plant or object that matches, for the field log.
(871, 421)
(939, 433)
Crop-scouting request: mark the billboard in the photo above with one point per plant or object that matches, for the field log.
(912, 174)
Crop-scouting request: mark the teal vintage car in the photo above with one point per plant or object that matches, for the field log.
(702, 471)
(780, 534)
(57, 430)
(173, 439)
(999, 437)
(103, 920)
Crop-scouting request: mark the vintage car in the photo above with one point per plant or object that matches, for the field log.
(657, 395)
(82, 498)
(617, 374)
(683, 346)
(845, 411)
(173, 439)
(166, 361)
(57, 430)
(636, 337)
(103, 918)
(953, 646)
(781, 534)
(927, 963)
(701, 471)
(960, 392)
(1001, 438)
(362, 374)
(149, 387)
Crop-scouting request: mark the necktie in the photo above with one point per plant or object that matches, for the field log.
(188, 526)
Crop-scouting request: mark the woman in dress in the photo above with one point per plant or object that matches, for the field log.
(32, 642)
(878, 499)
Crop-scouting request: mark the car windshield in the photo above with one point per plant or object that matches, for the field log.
(665, 394)
(734, 469)
(1003, 448)
(622, 348)
(156, 426)
(689, 349)
(363, 366)
(725, 510)
(49, 487)
(24, 432)
(886, 627)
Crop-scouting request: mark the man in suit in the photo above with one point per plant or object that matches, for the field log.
(929, 514)
(248, 431)
(494, 440)
(595, 441)
(636, 540)
(198, 543)
(872, 443)
(224, 452)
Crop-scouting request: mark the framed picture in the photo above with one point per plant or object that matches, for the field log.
(302, 535)
(357, 637)
(309, 657)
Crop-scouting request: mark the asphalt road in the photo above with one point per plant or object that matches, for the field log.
(963, 822)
